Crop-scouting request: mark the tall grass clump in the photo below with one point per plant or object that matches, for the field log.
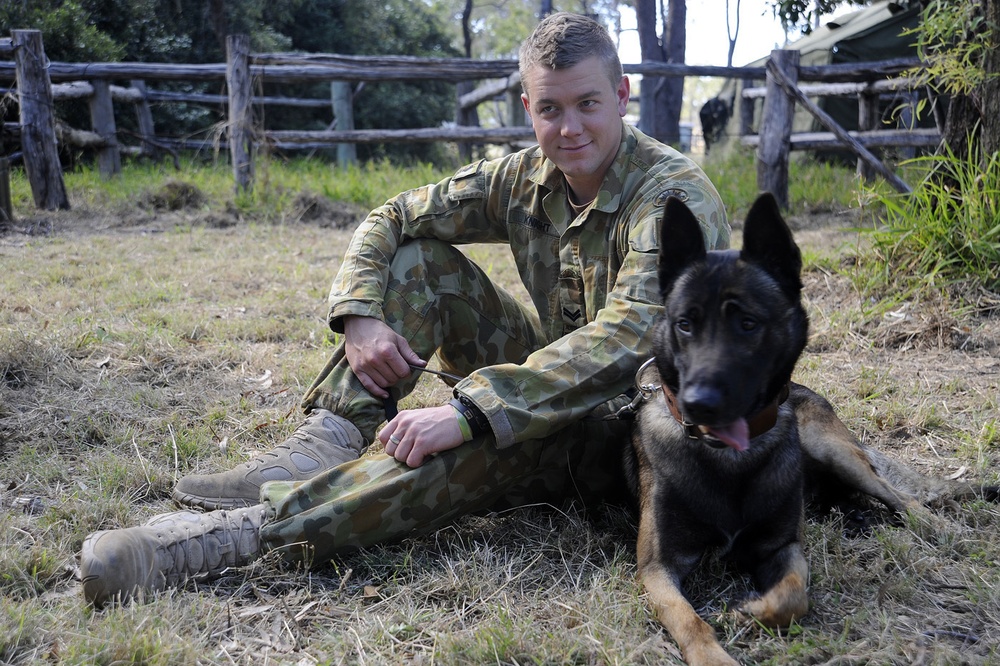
(944, 236)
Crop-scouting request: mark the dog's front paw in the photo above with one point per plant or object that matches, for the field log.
(708, 655)
(776, 609)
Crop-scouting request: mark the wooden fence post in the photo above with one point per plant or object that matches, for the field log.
(867, 120)
(102, 119)
(776, 129)
(465, 117)
(746, 108)
(6, 206)
(515, 108)
(516, 116)
(38, 125)
(906, 115)
(342, 99)
(144, 118)
(779, 76)
(241, 143)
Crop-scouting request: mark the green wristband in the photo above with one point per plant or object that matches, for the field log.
(463, 425)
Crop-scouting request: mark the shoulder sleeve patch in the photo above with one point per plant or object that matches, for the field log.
(676, 192)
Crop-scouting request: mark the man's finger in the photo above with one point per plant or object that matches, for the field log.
(415, 459)
(409, 356)
(372, 386)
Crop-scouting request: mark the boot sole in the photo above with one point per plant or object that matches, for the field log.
(212, 503)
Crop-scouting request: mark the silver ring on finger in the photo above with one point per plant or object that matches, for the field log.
(394, 439)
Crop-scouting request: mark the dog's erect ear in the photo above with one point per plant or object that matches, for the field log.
(768, 242)
(681, 243)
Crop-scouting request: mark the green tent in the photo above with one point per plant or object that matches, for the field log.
(873, 33)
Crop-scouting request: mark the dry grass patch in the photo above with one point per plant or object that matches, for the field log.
(133, 353)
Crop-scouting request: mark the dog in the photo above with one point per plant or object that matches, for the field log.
(715, 464)
(726, 450)
(714, 115)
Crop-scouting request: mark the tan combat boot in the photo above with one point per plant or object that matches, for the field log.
(167, 551)
(323, 441)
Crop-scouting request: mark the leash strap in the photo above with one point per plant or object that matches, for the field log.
(390, 404)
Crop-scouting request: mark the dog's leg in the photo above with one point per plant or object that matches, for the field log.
(787, 599)
(832, 449)
(694, 636)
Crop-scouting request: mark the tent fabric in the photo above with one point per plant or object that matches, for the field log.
(877, 32)
(868, 34)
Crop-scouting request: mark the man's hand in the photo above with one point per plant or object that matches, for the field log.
(379, 356)
(417, 433)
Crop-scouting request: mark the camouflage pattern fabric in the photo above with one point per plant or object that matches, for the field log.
(377, 499)
(539, 372)
(592, 279)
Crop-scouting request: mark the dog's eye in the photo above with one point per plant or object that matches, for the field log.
(683, 325)
(748, 324)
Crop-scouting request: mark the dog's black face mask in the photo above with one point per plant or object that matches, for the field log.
(733, 324)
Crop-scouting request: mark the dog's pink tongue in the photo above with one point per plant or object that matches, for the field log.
(736, 434)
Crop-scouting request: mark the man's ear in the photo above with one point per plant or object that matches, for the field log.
(527, 103)
(623, 92)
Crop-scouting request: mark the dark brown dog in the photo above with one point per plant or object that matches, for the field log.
(716, 461)
(724, 447)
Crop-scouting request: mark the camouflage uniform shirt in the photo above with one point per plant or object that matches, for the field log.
(592, 278)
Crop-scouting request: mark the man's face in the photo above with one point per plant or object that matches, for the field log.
(576, 114)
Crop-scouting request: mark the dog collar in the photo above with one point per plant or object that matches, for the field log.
(758, 424)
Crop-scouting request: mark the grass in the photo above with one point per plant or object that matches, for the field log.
(278, 185)
(139, 343)
(943, 237)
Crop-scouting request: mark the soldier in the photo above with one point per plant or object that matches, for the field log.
(580, 213)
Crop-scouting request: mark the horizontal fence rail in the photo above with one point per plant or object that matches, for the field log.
(499, 79)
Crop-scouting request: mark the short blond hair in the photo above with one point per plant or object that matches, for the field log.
(563, 40)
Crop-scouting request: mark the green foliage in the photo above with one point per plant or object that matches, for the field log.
(68, 29)
(945, 234)
(952, 45)
(194, 31)
(498, 28)
(394, 27)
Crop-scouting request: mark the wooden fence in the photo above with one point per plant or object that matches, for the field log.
(39, 82)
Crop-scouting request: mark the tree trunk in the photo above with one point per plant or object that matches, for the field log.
(467, 29)
(652, 120)
(991, 88)
(673, 88)
(962, 126)
(969, 124)
(660, 98)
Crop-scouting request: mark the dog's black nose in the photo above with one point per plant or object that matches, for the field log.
(701, 402)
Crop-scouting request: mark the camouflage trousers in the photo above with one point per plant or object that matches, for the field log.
(443, 304)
